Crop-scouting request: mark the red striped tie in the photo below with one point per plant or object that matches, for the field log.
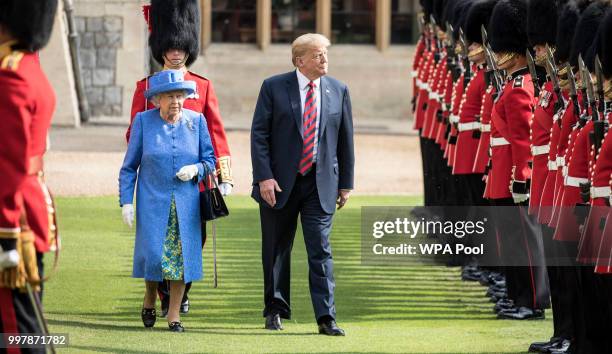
(310, 122)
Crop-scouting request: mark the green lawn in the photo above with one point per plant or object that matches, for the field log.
(383, 309)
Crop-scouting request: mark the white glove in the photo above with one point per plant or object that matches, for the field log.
(186, 173)
(8, 259)
(519, 198)
(127, 210)
(225, 188)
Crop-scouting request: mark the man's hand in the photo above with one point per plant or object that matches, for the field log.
(267, 189)
(343, 196)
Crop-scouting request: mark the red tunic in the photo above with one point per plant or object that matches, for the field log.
(446, 95)
(449, 153)
(567, 123)
(511, 117)
(27, 104)
(416, 64)
(435, 82)
(425, 71)
(205, 101)
(540, 144)
(469, 114)
(482, 154)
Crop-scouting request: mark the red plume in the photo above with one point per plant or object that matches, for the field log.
(146, 9)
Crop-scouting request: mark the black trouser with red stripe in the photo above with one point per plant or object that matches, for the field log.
(17, 316)
(522, 254)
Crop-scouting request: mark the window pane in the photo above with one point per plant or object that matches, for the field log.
(401, 22)
(234, 21)
(292, 18)
(353, 21)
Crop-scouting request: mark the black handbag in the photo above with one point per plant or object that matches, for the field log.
(212, 205)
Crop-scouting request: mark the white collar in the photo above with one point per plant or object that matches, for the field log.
(303, 81)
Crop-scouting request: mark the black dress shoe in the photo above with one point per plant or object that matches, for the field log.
(176, 327)
(542, 347)
(273, 322)
(503, 304)
(521, 313)
(330, 328)
(563, 346)
(184, 306)
(148, 317)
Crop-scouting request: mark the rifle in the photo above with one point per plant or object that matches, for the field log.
(466, 61)
(552, 72)
(584, 76)
(532, 71)
(600, 126)
(573, 91)
(451, 56)
(432, 25)
(496, 80)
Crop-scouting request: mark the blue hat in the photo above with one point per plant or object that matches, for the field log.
(169, 80)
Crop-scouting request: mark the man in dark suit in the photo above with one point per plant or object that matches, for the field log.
(303, 160)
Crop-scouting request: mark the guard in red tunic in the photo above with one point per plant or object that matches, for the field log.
(508, 181)
(174, 41)
(26, 108)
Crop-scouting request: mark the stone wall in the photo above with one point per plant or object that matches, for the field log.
(99, 38)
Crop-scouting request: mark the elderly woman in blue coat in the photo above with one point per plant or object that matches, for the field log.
(169, 152)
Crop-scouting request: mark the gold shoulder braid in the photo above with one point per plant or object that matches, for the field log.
(225, 170)
(9, 58)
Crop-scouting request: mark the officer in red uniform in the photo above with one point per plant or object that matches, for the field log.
(174, 39)
(26, 108)
(542, 32)
(508, 180)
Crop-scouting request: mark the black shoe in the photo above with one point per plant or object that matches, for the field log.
(542, 347)
(561, 347)
(330, 328)
(185, 306)
(176, 327)
(502, 305)
(148, 317)
(273, 322)
(522, 313)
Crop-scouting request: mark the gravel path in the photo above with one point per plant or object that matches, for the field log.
(86, 161)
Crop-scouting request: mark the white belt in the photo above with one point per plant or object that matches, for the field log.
(575, 181)
(468, 126)
(426, 86)
(434, 96)
(499, 142)
(485, 128)
(414, 73)
(552, 165)
(419, 83)
(540, 150)
(560, 161)
(599, 192)
(564, 171)
(453, 118)
(444, 108)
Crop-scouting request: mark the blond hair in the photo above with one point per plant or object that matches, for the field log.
(307, 41)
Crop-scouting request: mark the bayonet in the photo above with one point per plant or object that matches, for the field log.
(551, 71)
(600, 84)
(583, 88)
(466, 60)
(532, 71)
(573, 90)
(432, 25)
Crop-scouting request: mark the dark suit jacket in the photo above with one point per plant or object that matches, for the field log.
(276, 142)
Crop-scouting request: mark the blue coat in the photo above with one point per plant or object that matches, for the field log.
(155, 153)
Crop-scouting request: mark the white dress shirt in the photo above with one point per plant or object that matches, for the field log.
(303, 82)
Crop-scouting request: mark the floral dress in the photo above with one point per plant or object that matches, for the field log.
(172, 255)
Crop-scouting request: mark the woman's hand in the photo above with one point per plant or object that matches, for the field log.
(127, 210)
(187, 173)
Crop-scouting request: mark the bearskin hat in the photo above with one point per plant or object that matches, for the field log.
(427, 6)
(30, 22)
(586, 29)
(508, 27)
(175, 24)
(542, 21)
(462, 12)
(479, 15)
(606, 42)
(566, 26)
(438, 12)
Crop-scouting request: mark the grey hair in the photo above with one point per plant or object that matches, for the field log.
(301, 44)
